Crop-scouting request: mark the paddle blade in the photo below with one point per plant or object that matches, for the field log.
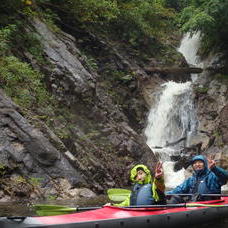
(118, 194)
(49, 207)
(47, 210)
(50, 213)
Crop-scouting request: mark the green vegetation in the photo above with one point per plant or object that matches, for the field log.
(140, 20)
(222, 77)
(52, 197)
(2, 170)
(5, 37)
(203, 90)
(210, 17)
(134, 21)
(22, 83)
(35, 182)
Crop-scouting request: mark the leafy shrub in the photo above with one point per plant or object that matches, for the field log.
(211, 18)
(89, 11)
(22, 83)
(5, 39)
(143, 18)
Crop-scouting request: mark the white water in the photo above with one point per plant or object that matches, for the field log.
(174, 116)
(189, 47)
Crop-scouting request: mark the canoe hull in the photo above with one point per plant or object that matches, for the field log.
(168, 218)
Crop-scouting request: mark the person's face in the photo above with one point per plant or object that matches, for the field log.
(198, 165)
(141, 175)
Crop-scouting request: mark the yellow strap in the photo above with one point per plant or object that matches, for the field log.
(154, 191)
(157, 184)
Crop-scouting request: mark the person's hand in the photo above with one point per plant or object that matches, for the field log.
(211, 161)
(158, 170)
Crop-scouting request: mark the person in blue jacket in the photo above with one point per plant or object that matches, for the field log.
(206, 179)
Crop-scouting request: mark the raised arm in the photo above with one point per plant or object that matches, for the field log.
(221, 174)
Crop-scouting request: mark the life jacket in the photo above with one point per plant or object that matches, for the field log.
(142, 195)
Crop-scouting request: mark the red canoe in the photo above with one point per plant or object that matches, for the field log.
(115, 217)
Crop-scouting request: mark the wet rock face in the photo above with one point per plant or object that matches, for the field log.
(26, 151)
(66, 75)
(105, 126)
(105, 139)
(211, 102)
(223, 124)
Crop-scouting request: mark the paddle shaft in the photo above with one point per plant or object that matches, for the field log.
(151, 206)
(160, 206)
(115, 192)
(157, 206)
(86, 208)
(212, 195)
(178, 205)
(134, 206)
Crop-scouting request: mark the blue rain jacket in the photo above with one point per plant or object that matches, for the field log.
(204, 181)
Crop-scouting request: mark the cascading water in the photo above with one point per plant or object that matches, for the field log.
(189, 48)
(173, 117)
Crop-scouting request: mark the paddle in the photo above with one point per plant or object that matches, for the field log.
(45, 209)
(48, 210)
(116, 194)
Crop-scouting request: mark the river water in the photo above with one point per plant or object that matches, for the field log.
(25, 208)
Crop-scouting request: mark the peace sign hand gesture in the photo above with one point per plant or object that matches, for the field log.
(211, 161)
(159, 170)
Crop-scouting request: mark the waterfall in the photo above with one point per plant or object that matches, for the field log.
(173, 117)
(189, 47)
